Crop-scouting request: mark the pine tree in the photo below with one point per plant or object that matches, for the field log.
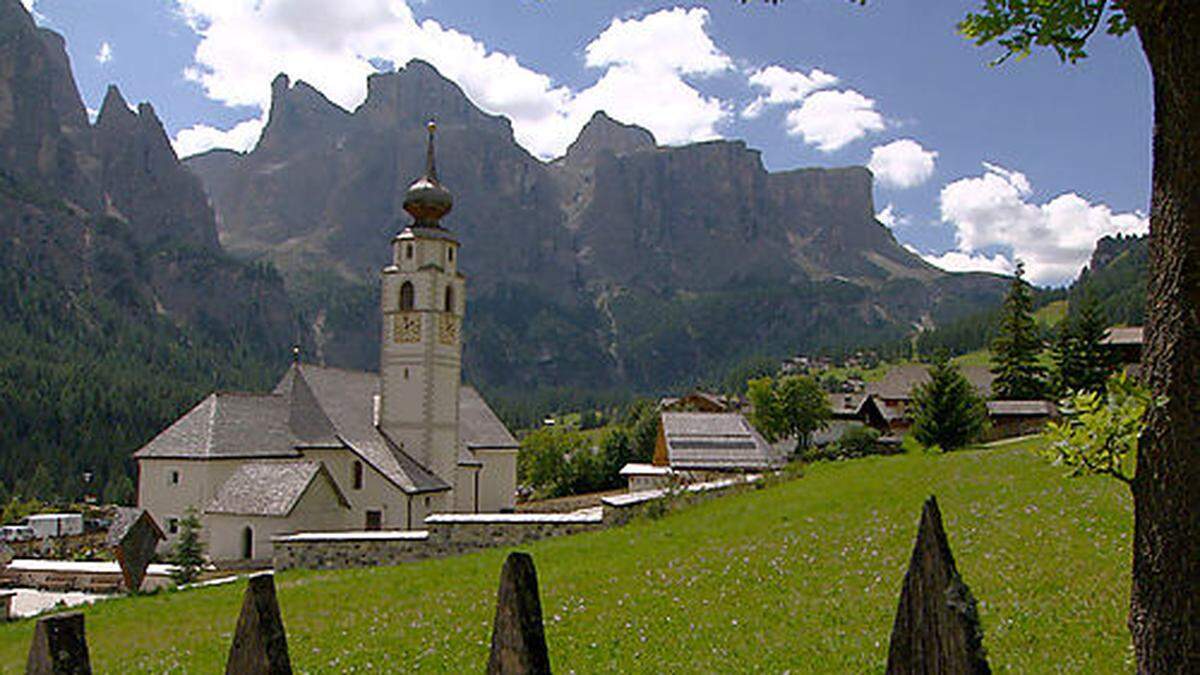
(1080, 361)
(1019, 375)
(118, 489)
(188, 554)
(947, 412)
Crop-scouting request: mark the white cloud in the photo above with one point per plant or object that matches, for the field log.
(994, 211)
(892, 218)
(902, 164)
(199, 138)
(331, 45)
(784, 86)
(105, 54)
(832, 119)
(957, 261)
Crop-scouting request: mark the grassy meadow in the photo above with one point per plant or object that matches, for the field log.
(801, 576)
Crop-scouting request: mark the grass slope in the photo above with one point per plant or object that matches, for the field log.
(801, 576)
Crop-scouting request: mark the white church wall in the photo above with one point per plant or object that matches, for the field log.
(376, 494)
(497, 480)
(168, 487)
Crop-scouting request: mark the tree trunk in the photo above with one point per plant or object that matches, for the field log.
(1165, 600)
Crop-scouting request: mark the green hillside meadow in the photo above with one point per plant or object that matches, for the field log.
(801, 576)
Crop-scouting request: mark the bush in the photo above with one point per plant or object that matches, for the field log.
(859, 441)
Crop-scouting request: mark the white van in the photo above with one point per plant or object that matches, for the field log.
(55, 524)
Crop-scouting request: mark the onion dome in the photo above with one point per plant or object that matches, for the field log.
(426, 200)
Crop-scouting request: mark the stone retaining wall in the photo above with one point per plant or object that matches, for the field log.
(456, 533)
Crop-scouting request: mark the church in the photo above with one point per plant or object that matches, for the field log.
(331, 449)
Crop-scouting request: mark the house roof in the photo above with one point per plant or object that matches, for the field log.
(1131, 335)
(124, 519)
(270, 488)
(899, 382)
(319, 407)
(716, 441)
(1021, 408)
(845, 405)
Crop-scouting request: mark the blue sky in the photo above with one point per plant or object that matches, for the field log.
(976, 166)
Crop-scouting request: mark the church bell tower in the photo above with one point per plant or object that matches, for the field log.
(423, 301)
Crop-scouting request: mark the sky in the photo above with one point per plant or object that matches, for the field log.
(976, 166)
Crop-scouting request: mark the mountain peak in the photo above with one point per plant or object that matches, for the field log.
(115, 110)
(605, 134)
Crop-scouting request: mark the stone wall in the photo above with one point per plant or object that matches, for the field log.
(450, 534)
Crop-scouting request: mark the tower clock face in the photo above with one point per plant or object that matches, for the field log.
(406, 327)
(448, 329)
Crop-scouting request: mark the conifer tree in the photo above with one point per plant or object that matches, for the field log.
(947, 412)
(1080, 362)
(1015, 350)
(188, 554)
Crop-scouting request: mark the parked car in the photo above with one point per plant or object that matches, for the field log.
(17, 533)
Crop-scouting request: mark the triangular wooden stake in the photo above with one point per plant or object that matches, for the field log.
(59, 647)
(259, 642)
(518, 637)
(937, 625)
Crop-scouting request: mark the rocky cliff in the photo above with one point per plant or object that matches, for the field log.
(109, 209)
(621, 263)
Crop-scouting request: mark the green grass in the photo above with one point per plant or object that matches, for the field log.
(801, 576)
(979, 357)
(1052, 313)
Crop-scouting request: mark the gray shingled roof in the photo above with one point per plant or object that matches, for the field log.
(347, 397)
(1131, 335)
(716, 441)
(478, 426)
(269, 488)
(1021, 408)
(228, 425)
(899, 382)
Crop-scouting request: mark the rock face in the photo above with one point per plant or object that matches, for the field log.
(109, 209)
(621, 263)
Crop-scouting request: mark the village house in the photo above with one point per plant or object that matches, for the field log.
(1124, 344)
(700, 446)
(331, 449)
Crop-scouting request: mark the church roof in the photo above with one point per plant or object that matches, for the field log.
(271, 488)
(228, 425)
(318, 407)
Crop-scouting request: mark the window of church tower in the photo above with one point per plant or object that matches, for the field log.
(406, 296)
(450, 253)
(408, 251)
(449, 298)
(358, 475)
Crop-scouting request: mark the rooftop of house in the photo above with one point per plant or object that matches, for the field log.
(899, 382)
(1128, 335)
(716, 442)
(1021, 408)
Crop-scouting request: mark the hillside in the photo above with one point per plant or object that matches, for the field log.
(623, 264)
(803, 576)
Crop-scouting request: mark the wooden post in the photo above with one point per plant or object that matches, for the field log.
(259, 642)
(59, 647)
(937, 625)
(518, 637)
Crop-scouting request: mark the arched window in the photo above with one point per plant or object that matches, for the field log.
(247, 543)
(449, 298)
(408, 251)
(358, 475)
(450, 253)
(406, 296)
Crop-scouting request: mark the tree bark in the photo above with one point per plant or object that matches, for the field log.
(1164, 613)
